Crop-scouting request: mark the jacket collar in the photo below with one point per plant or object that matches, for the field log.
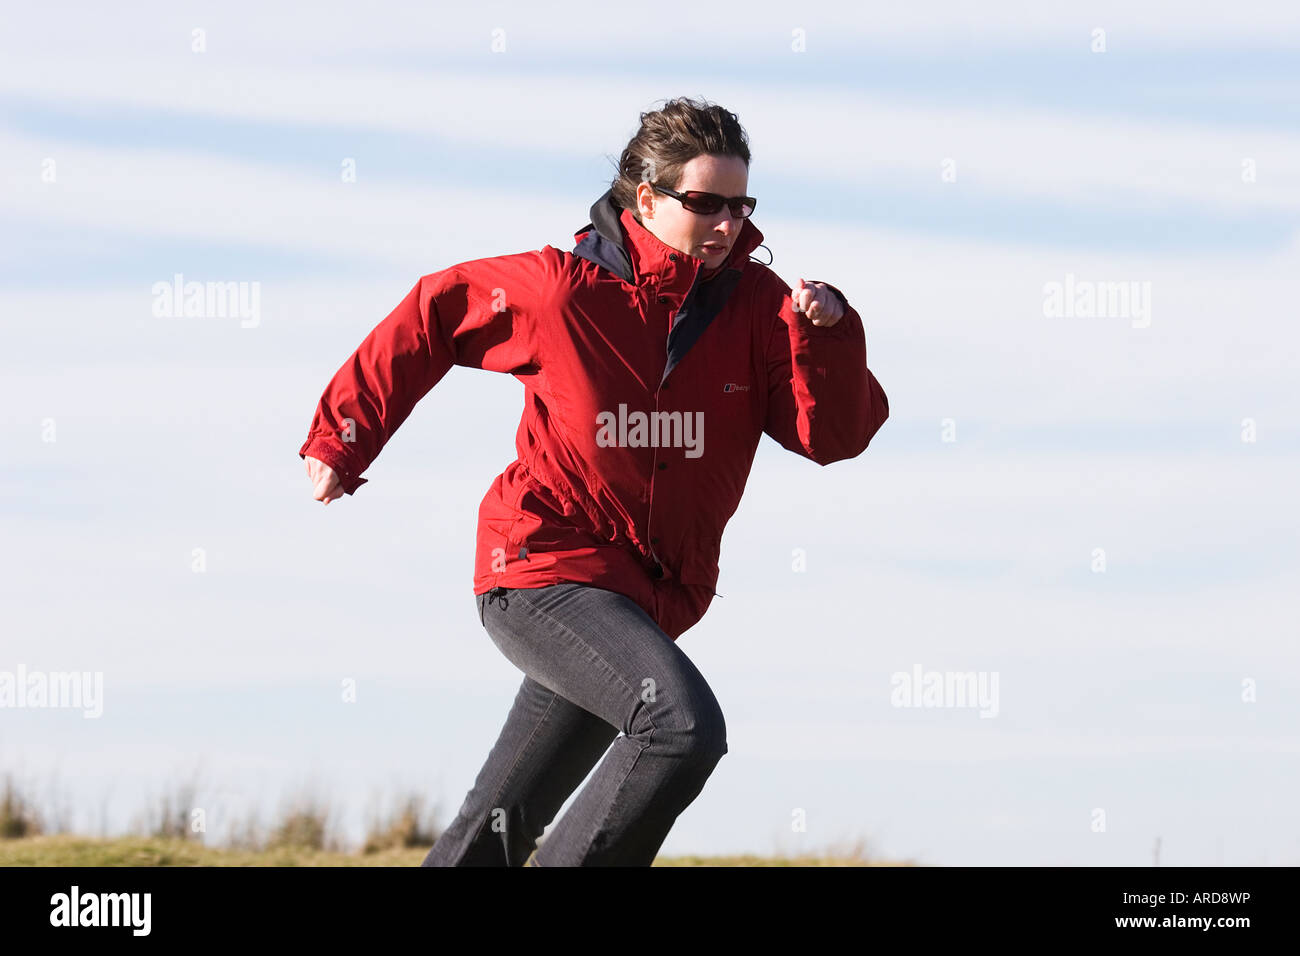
(615, 240)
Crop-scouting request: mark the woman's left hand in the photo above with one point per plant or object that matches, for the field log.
(818, 302)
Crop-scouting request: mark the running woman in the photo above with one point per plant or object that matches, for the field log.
(654, 357)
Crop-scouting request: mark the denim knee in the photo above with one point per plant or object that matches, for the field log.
(713, 740)
(711, 732)
(699, 732)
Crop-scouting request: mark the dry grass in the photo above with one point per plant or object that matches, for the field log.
(71, 850)
(168, 833)
(18, 814)
(407, 826)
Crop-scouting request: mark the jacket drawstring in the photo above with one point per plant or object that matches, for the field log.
(499, 593)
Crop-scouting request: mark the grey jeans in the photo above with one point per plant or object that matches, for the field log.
(595, 664)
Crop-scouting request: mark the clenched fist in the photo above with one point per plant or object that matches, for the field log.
(324, 480)
(818, 302)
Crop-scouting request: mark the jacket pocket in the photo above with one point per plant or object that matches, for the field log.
(700, 568)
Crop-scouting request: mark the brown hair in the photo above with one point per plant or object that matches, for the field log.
(671, 137)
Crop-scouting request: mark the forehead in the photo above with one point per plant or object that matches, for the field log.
(725, 174)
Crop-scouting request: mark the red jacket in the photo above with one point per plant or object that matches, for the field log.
(600, 495)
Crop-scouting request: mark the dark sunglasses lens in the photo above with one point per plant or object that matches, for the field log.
(742, 208)
(704, 203)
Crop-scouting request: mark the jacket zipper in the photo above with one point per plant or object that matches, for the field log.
(654, 459)
(654, 462)
(654, 470)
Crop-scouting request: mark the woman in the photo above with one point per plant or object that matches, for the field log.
(654, 357)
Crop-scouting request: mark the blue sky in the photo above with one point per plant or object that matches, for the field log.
(1119, 690)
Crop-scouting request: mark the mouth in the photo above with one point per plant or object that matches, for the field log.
(713, 248)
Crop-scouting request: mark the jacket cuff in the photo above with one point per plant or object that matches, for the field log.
(330, 451)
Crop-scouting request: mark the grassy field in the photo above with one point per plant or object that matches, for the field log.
(68, 850)
(301, 835)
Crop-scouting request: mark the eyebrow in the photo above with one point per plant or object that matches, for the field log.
(714, 193)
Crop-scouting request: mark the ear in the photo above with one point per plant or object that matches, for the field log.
(645, 200)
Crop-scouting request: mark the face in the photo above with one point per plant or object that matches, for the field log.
(709, 238)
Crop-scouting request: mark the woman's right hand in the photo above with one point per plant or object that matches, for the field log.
(324, 480)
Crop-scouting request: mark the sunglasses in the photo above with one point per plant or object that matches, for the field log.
(706, 204)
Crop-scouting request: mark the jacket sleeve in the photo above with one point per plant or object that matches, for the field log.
(822, 400)
(479, 314)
